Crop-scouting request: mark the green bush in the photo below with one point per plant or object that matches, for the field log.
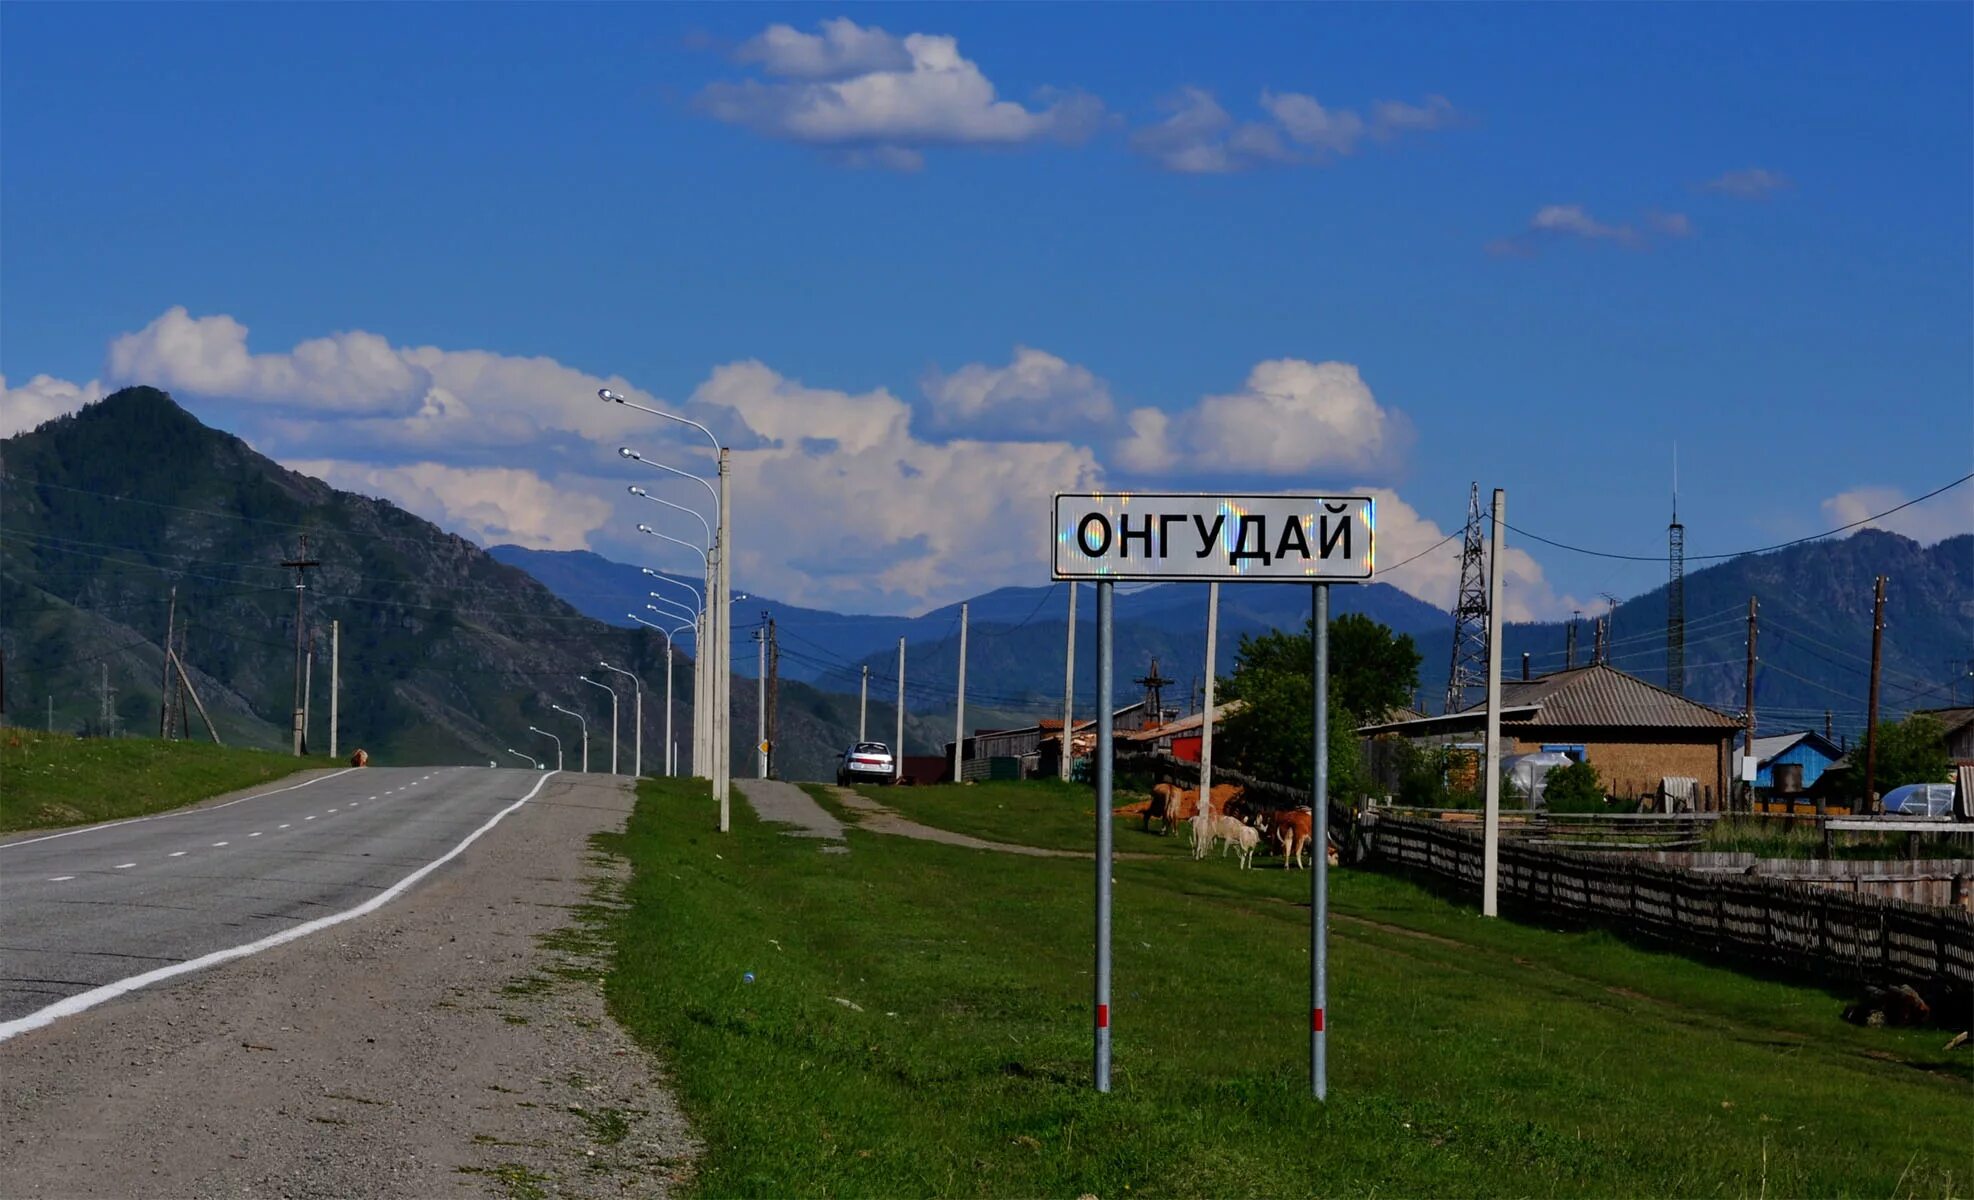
(1574, 789)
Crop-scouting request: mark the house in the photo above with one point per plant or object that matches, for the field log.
(1028, 742)
(1808, 750)
(1959, 723)
(1181, 738)
(1634, 733)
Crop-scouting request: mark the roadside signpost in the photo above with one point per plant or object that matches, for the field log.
(1201, 538)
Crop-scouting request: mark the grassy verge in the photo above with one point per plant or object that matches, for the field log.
(48, 780)
(917, 1022)
(1778, 839)
(1046, 813)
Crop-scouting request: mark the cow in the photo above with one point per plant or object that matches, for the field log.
(1243, 838)
(1291, 829)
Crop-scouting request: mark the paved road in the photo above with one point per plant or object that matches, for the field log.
(89, 907)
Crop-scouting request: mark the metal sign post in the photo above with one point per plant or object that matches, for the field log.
(1105, 604)
(1171, 537)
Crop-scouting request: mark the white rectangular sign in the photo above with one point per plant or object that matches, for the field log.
(1170, 537)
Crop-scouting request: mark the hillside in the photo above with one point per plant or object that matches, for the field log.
(447, 654)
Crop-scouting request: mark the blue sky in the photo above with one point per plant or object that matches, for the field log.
(1500, 216)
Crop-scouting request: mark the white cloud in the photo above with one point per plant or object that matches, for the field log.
(1199, 137)
(1291, 416)
(491, 505)
(881, 100)
(1749, 183)
(878, 514)
(42, 398)
(1558, 222)
(1036, 395)
(1432, 573)
(1935, 520)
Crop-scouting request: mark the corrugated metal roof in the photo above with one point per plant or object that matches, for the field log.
(1602, 695)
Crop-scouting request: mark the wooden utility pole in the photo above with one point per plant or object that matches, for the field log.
(186, 679)
(1748, 715)
(301, 563)
(164, 684)
(1871, 715)
(1569, 644)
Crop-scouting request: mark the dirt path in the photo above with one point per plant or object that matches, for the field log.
(785, 804)
(876, 818)
(453, 1043)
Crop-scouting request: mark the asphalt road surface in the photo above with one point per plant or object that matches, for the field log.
(91, 907)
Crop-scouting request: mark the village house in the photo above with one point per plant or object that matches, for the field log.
(1181, 738)
(1639, 737)
(1789, 763)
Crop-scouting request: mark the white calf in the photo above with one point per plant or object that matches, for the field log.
(1244, 838)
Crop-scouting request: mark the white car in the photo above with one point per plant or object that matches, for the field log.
(867, 762)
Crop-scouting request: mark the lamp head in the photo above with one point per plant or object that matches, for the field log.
(627, 452)
(608, 396)
(649, 571)
(635, 490)
(643, 528)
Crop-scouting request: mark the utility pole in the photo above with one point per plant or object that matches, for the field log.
(164, 685)
(1826, 725)
(761, 703)
(959, 709)
(308, 690)
(51, 714)
(1748, 716)
(774, 695)
(335, 679)
(1569, 641)
(1871, 717)
(109, 713)
(1154, 685)
(1469, 613)
(898, 750)
(1206, 713)
(301, 563)
(863, 703)
(1491, 761)
(1068, 685)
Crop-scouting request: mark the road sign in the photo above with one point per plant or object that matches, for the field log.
(1169, 537)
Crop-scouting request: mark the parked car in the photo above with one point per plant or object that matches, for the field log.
(867, 762)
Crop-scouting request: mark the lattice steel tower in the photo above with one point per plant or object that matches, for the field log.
(1676, 593)
(1469, 668)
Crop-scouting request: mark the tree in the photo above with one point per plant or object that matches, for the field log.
(1371, 672)
(1574, 788)
(1912, 751)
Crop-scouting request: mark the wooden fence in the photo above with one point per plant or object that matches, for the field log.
(1830, 935)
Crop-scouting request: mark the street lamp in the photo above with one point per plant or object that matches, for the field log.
(613, 718)
(635, 490)
(698, 601)
(722, 588)
(551, 737)
(637, 716)
(585, 724)
(526, 758)
(671, 607)
(671, 759)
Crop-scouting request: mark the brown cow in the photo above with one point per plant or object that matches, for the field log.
(1291, 829)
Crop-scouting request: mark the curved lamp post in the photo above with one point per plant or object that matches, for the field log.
(671, 760)
(551, 737)
(613, 717)
(526, 758)
(637, 718)
(569, 712)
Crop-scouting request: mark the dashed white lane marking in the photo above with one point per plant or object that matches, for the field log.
(176, 854)
(179, 813)
(124, 866)
(84, 1001)
(255, 833)
(308, 818)
(281, 826)
(217, 845)
(61, 879)
(332, 810)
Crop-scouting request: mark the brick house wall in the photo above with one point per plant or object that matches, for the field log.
(1632, 765)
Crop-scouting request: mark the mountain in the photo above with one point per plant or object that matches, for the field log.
(1814, 634)
(447, 655)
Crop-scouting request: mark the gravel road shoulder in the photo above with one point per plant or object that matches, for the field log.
(453, 1043)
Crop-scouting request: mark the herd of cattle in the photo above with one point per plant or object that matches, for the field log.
(1229, 819)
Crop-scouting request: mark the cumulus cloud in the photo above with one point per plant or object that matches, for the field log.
(879, 513)
(491, 505)
(42, 398)
(1200, 137)
(1416, 557)
(881, 100)
(1290, 416)
(1572, 222)
(1942, 517)
(1036, 395)
(1749, 183)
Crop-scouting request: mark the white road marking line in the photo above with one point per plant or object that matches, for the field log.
(332, 810)
(61, 879)
(83, 1001)
(176, 854)
(176, 813)
(283, 826)
(308, 818)
(255, 833)
(217, 845)
(125, 866)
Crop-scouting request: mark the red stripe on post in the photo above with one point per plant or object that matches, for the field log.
(1103, 1016)
(1316, 1020)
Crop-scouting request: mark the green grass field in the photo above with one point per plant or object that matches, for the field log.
(918, 1024)
(49, 780)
